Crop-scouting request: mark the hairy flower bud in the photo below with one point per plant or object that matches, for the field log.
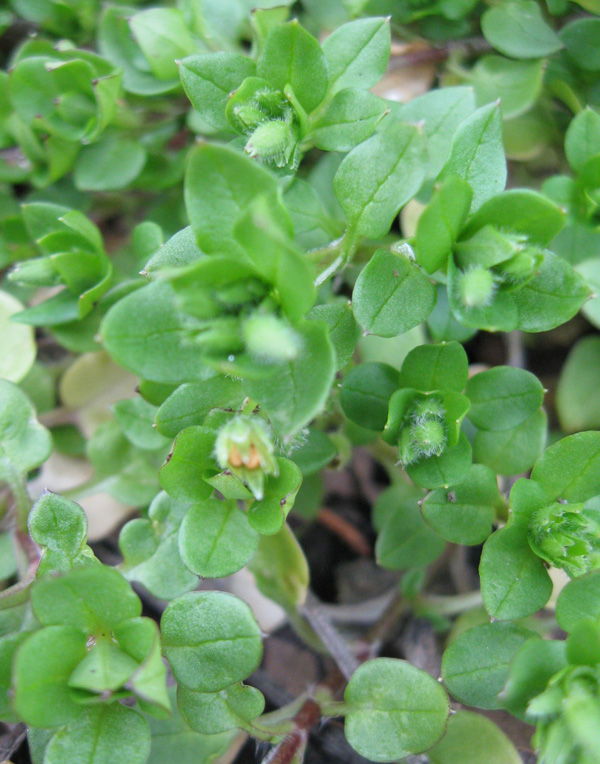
(424, 431)
(244, 447)
(476, 287)
(274, 141)
(556, 711)
(427, 408)
(270, 339)
(520, 267)
(566, 536)
(429, 437)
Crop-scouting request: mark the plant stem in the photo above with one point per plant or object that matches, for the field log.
(331, 638)
(292, 746)
(450, 605)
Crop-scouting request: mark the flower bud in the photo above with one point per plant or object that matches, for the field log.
(429, 437)
(270, 339)
(407, 449)
(566, 536)
(427, 408)
(249, 116)
(244, 447)
(274, 141)
(520, 267)
(424, 432)
(476, 287)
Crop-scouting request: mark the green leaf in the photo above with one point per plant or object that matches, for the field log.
(209, 78)
(578, 601)
(297, 390)
(343, 329)
(503, 397)
(583, 644)
(370, 200)
(358, 53)
(215, 539)
(180, 250)
(110, 164)
(520, 211)
(441, 110)
(163, 37)
(442, 324)
(366, 393)
(441, 222)
(264, 233)
(391, 295)
(570, 469)
(577, 243)
(140, 638)
(211, 713)
(60, 526)
(127, 472)
(280, 569)
(93, 599)
(105, 668)
(145, 333)
(350, 118)
(582, 139)
(136, 419)
(449, 468)
(577, 406)
(518, 29)
(530, 671)
(464, 514)
(24, 442)
(190, 403)
(314, 226)
(41, 670)
(9, 643)
(37, 741)
(514, 581)
(101, 733)
(477, 154)
(471, 739)
(518, 84)
(314, 452)
(17, 342)
(552, 297)
(589, 270)
(428, 368)
(580, 38)
(268, 515)
(211, 640)
(512, 451)
(405, 540)
(220, 183)
(293, 57)
(151, 553)
(394, 710)
(173, 737)
(475, 666)
(182, 475)
(116, 43)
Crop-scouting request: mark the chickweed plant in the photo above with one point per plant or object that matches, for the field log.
(238, 252)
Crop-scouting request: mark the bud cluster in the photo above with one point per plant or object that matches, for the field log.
(268, 120)
(567, 537)
(424, 432)
(491, 261)
(558, 735)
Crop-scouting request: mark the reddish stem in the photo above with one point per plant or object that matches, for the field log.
(293, 743)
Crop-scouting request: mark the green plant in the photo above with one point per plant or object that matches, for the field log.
(200, 200)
